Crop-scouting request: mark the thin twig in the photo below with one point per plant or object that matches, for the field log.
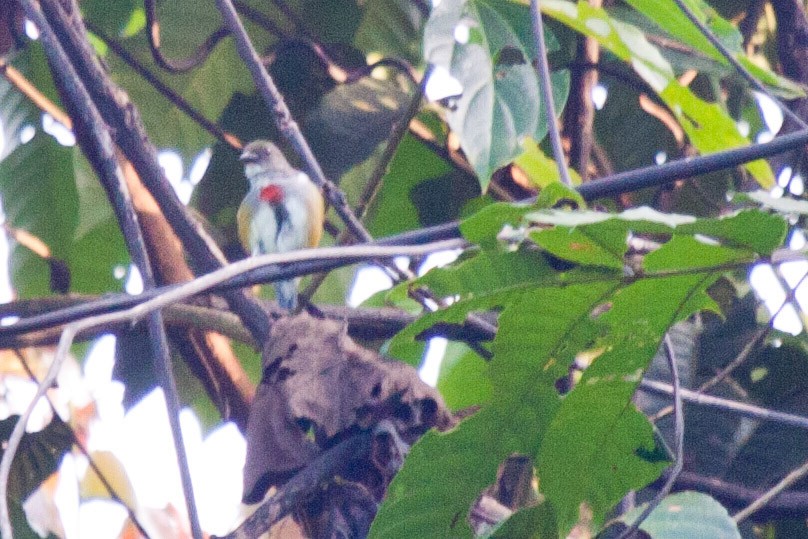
(90, 461)
(655, 175)
(283, 119)
(300, 486)
(790, 504)
(59, 316)
(751, 346)
(678, 444)
(179, 293)
(727, 54)
(18, 431)
(130, 135)
(163, 89)
(177, 65)
(579, 113)
(400, 128)
(97, 143)
(293, 18)
(547, 93)
(261, 19)
(26, 88)
(735, 407)
(787, 481)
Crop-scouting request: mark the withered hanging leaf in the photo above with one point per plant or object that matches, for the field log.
(319, 386)
(38, 455)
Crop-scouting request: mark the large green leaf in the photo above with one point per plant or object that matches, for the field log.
(500, 103)
(39, 197)
(591, 445)
(419, 189)
(667, 15)
(709, 128)
(390, 29)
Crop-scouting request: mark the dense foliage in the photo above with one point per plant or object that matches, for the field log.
(565, 309)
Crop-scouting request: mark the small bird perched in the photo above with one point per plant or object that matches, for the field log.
(283, 210)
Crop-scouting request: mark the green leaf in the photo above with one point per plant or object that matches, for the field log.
(667, 15)
(591, 445)
(483, 227)
(39, 196)
(686, 514)
(591, 453)
(685, 252)
(351, 120)
(530, 523)
(391, 29)
(709, 127)
(207, 89)
(602, 245)
(112, 17)
(541, 170)
(500, 101)
(751, 229)
(419, 189)
(463, 380)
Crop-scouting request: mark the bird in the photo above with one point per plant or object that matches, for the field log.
(283, 210)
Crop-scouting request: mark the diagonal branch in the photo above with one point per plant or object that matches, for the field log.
(97, 144)
(283, 119)
(130, 135)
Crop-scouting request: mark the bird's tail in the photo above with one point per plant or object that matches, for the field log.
(286, 294)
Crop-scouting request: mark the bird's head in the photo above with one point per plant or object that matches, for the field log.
(262, 157)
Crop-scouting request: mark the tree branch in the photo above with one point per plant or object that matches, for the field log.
(97, 144)
(131, 137)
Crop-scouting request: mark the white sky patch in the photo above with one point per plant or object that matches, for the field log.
(119, 272)
(368, 281)
(797, 185)
(27, 133)
(134, 282)
(784, 176)
(797, 240)
(152, 466)
(660, 158)
(772, 115)
(743, 127)
(31, 30)
(436, 260)
(101, 519)
(62, 134)
(200, 165)
(441, 84)
(462, 32)
(765, 283)
(764, 136)
(599, 95)
(172, 166)
(219, 479)
(430, 368)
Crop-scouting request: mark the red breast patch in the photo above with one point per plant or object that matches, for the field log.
(271, 194)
